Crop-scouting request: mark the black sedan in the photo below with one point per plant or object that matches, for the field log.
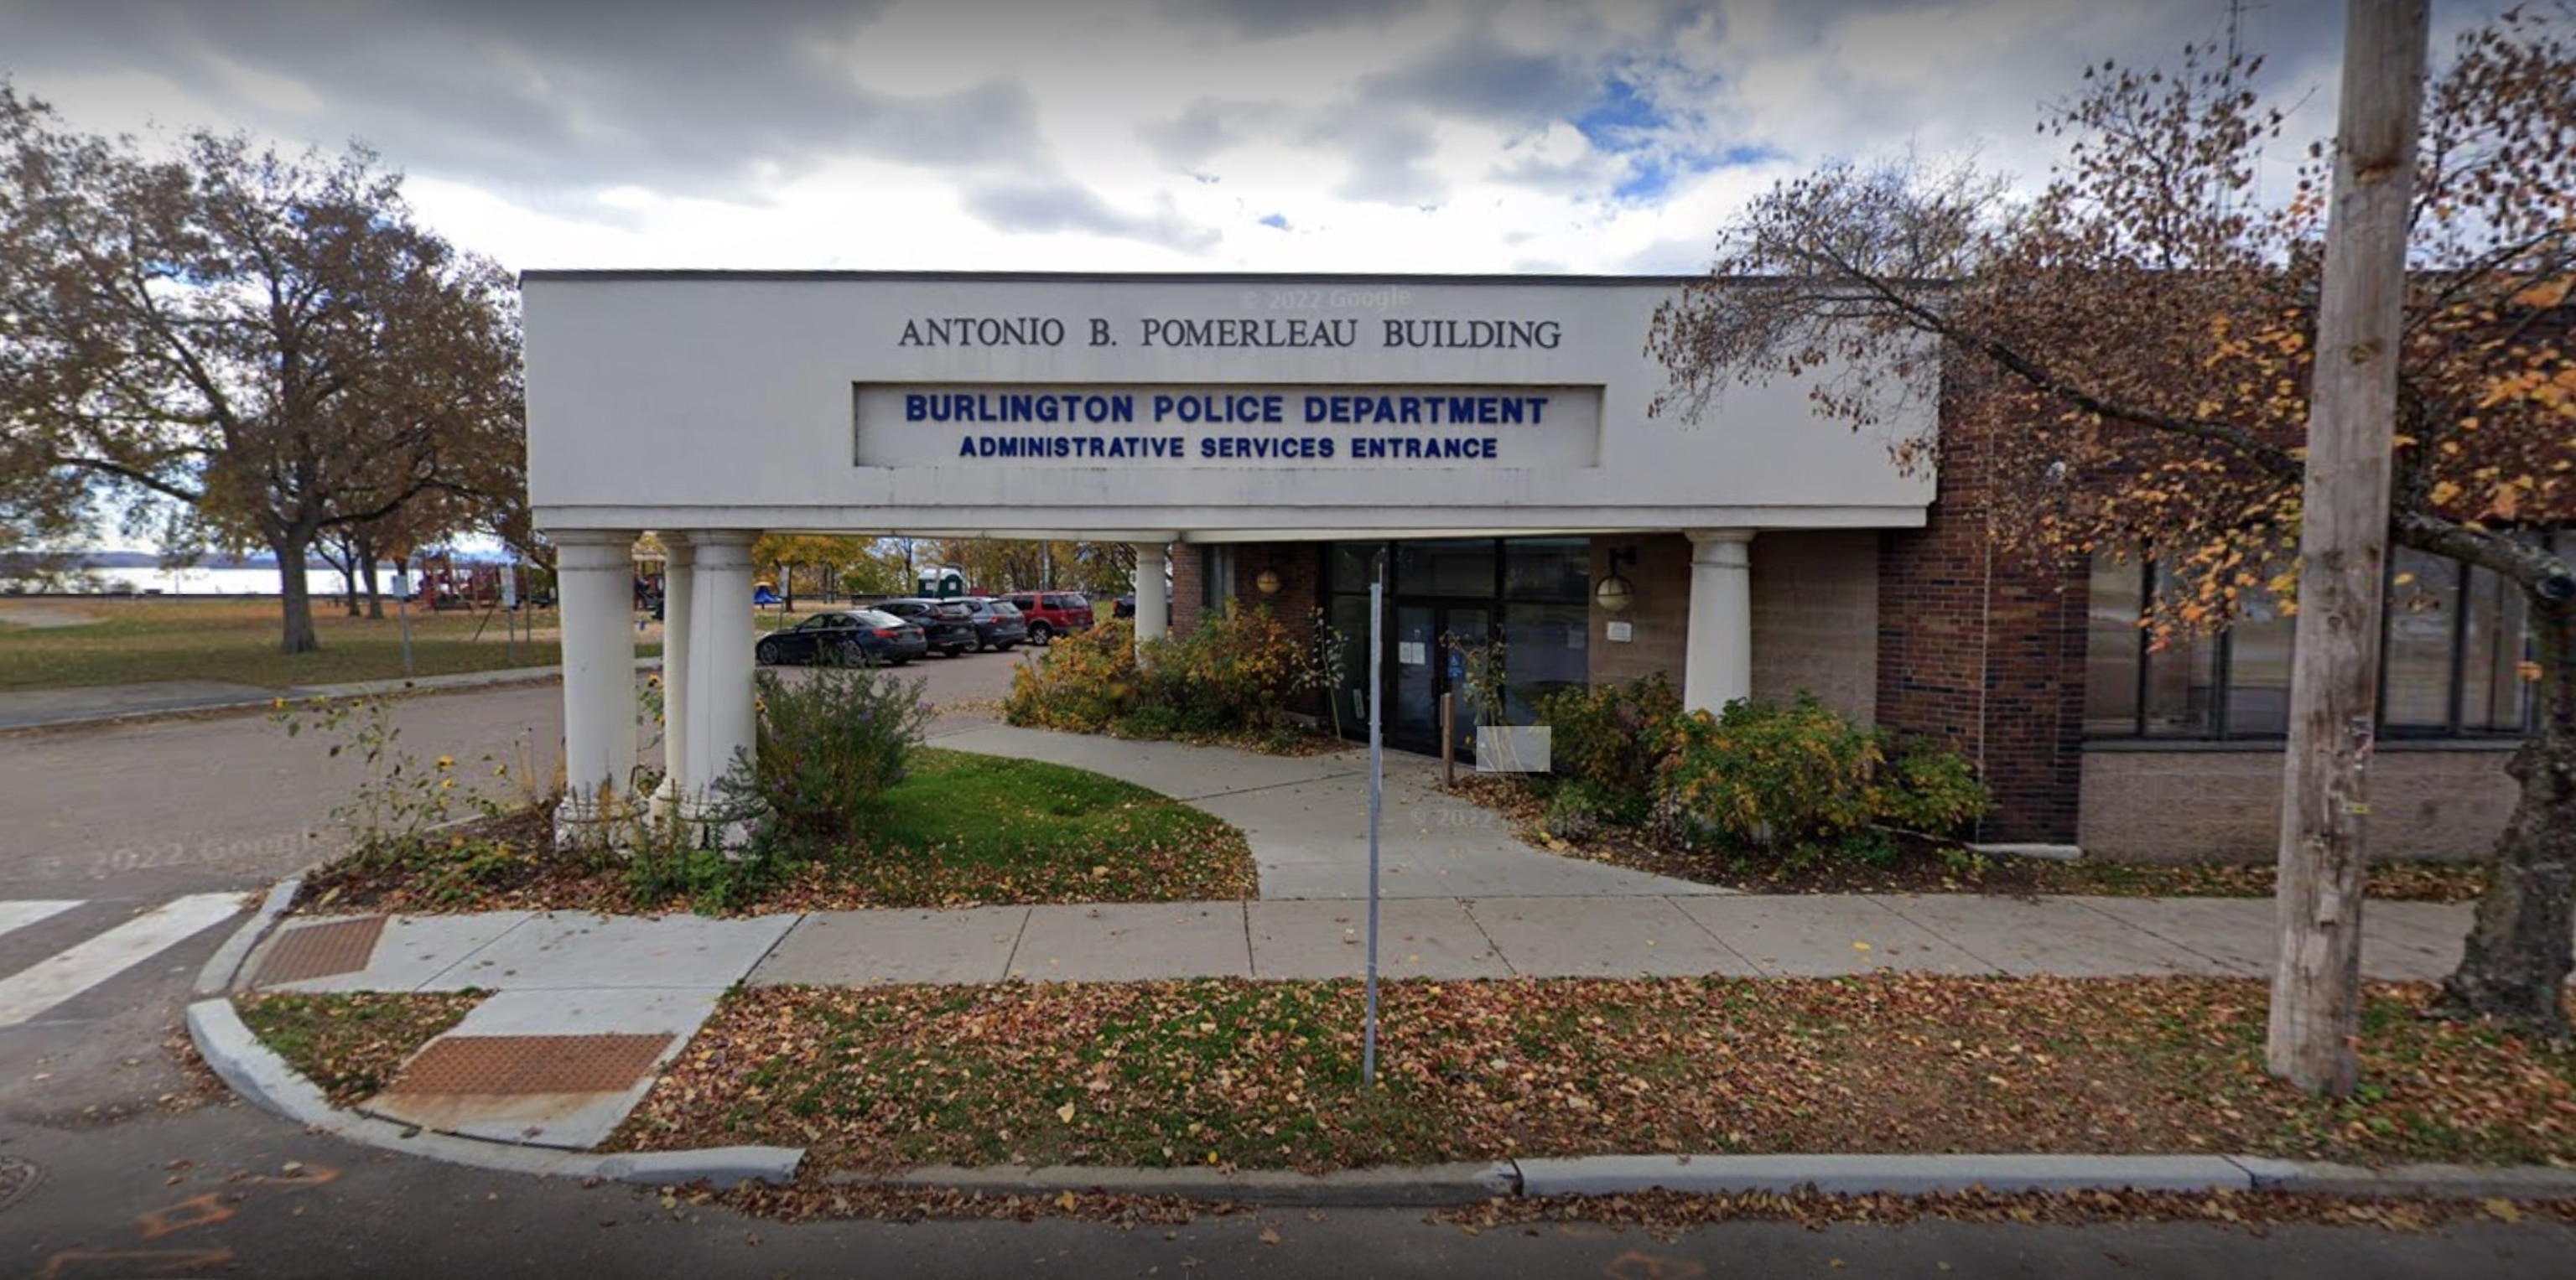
(999, 624)
(949, 624)
(844, 637)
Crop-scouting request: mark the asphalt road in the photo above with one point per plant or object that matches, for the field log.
(115, 1162)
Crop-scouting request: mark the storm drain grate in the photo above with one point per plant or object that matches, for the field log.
(17, 1178)
(321, 951)
(531, 1064)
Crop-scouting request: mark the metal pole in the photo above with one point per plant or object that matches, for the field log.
(402, 606)
(1377, 799)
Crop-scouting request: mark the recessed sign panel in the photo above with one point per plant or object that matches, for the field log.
(985, 425)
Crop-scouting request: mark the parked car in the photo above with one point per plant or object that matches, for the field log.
(949, 624)
(1123, 607)
(852, 637)
(998, 626)
(1052, 613)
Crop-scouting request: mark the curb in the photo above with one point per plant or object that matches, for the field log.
(1419, 1186)
(223, 967)
(261, 1076)
(1845, 1175)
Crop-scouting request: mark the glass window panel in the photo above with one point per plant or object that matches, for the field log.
(2494, 696)
(2258, 671)
(1216, 576)
(1547, 569)
(1543, 651)
(2112, 646)
(2422, 612)
(2182, 679)
(1352, 565)
(1445, 567)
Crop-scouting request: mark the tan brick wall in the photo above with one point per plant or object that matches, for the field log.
(1660, 619)
(1815, 618)
(2168, 805)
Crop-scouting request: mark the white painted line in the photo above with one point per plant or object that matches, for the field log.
(68, 973)
(19, 913)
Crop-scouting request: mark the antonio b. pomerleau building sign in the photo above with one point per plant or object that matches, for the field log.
(1269, 439)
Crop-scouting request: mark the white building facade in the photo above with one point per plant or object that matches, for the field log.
(1495, 426)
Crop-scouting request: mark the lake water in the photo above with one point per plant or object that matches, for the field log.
(224, 582)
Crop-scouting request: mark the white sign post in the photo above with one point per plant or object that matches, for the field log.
(402, 606)
(1377, 800)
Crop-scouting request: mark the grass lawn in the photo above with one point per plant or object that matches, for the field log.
(962, 830)
(1266, 1074)
(351, 1045)
(134, 641)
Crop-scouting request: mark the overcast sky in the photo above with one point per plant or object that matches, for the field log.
(1273, 135)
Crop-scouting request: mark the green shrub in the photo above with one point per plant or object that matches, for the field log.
(1086, 682)
(1612, 736)
(711, 880)
(826, 750)
(1579, 809)
(1804, 779)
(1236, 670)
(1930, 790)
(1769, 775)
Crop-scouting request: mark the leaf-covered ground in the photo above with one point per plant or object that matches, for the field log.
(1265, 1075)
(962, 830)
(351, 1045)
(1925, 866)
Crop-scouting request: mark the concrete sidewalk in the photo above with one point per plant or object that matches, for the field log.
(1306, 818)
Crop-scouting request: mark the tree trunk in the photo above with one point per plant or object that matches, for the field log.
(2519, 950)
(295, 594)
(375, 590)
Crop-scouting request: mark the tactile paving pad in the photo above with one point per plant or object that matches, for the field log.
(531, 1064)
(321, 951)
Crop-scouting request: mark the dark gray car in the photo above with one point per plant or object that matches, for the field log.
(998, 623)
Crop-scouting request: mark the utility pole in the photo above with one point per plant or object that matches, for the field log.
(2343, 548)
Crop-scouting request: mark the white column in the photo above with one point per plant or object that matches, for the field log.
(595, 579)
(720, 701)
(1153, 615)
(1717, 666)
(679, 589)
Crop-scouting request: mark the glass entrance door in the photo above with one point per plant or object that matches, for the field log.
(1421, 667)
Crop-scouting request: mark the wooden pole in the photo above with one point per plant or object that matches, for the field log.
(2343, 549)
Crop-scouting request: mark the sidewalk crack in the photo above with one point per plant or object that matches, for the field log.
(1017, 937)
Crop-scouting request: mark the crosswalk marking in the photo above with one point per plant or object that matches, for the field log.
(69, 972)
(20, 914)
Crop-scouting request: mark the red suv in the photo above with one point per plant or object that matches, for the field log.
(1051, 613)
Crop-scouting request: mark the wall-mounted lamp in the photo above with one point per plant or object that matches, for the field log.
(1267, 582)
(1615, 593)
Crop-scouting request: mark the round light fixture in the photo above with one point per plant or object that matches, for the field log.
(1615, 594)
(1267, 583)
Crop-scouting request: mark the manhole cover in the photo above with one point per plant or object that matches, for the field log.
(17, 1178)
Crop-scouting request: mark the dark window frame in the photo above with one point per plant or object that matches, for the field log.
(2462, 598)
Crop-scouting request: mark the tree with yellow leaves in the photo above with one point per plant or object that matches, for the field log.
(2128, 349)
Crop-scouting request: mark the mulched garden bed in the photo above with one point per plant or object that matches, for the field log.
(1265, 1074)
(1933, 866)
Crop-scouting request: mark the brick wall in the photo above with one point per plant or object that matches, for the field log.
(1815, 618)
(1189, 574)
(2224, 804)
(1983, 651)
(1659, 621)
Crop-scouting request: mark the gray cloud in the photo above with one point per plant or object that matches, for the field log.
(1203, 129)
(688, 98)
(1477, 75)
(1385, 149)
(1278, 19)
(1057, 205)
